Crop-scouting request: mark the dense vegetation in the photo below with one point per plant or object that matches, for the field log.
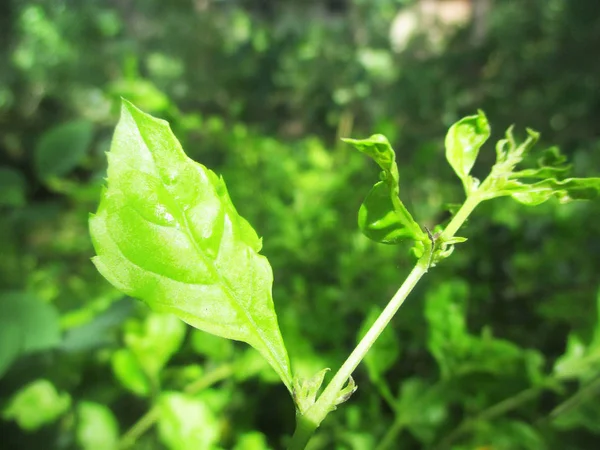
(498, 348)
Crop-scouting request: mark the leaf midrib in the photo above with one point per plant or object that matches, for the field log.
(229, 290)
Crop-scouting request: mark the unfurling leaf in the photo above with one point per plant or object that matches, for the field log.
(346, 392)
(551, 170)
(306, 390)
(463, 141)
(565, 190)
(382, 216)
(166, 232)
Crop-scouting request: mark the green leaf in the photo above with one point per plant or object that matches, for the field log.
(382, 216)
(552, 168)
(509, 153)
(186, 423)
(36, 404)
(586, 414)
(384, 352)
(37, 326)
(458, 352)
(12, 187)
(10, 345)
(97, 427)
(306, 390)
(581, 361)
(422, 409)
(154, 341)
(62, 148)
(252, 440)
(463, 141)
(167, 233)
(565, 191)
(503, 434)
(213, 347)
(129, 372)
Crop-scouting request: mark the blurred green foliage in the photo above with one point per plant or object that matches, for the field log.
(498, 347)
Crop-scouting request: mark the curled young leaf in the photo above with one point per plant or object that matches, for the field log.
(166, 232)
(565, 191)
(552, 168)
(346, 392)
(306, 390)
(463, 141)
(382, 216)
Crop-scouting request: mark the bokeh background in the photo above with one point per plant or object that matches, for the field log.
(498, 347)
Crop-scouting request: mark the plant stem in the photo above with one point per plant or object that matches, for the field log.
(146, 422)
(460, 217)
(583, 395)
(492, 412)
(307, 424)
(390, 436)
(310, 421)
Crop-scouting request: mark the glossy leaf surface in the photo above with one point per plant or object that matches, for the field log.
(382, 216)
(167, 233)
(463, 141)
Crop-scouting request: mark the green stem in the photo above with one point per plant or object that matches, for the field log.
(149, 419)
(585, 394)
(492, 412)
(390, 436)
(460, 217)
(310, 421)
(385, 393)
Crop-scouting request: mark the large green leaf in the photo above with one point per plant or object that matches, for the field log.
(166, 232)
(382, 216)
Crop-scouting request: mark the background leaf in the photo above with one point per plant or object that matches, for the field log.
(62, 148)
(97, 427)
(26, 325)
(12, 187)
(186, 423)
(36, 404)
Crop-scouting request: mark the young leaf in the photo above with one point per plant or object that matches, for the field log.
(382, 216)
(551, 169)
(463, 141)
(565, 190)
(166, 232)
(306, 390)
